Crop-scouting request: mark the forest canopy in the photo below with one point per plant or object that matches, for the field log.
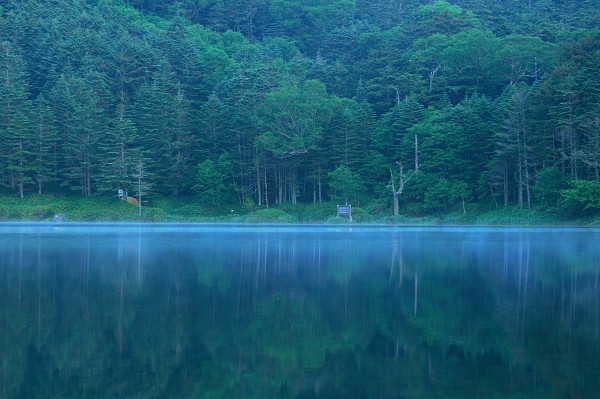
(274, 101)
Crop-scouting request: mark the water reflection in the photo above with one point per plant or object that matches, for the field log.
(128, 311)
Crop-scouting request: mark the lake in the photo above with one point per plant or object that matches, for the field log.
(223, 311)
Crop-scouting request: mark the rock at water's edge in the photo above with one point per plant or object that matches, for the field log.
(59, 217)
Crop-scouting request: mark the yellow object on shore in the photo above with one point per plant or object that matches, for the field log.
(131, 200)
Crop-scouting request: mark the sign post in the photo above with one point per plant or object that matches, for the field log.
(345, 210)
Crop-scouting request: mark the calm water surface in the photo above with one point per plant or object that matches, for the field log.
(157, 311)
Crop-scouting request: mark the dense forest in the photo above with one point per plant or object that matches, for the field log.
(413, 106)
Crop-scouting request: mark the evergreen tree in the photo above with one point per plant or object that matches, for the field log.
(78, 119)
(120, 151)
(513, 141)
(345, 136)
(392, 136)
(45, 140)
(213, 180)
(443, 150)
(163, 119)
(142, 181)
(479, 123)
(590, 153)
(16, 135)
(212, 128)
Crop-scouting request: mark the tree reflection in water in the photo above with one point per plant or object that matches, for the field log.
(131, 311)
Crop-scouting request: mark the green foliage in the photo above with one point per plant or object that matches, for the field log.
(213, 180)
(375, 171)
(416, 189)
(583, 196)
(523, 58)
(45, 140)
(294, 117)
(272, 215)
(121, 151)
(516, 217)
(16, 136)
(549, 184)
(12, 208)
(360, 215)
(186, 209)
(495, 93)
(75, 209)
(444, 146)
(443, 17)
(438, 196)
(318, 212)
(346, 185)
(190, 211)
(77, 107)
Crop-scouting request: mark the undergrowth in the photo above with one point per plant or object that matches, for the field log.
(36, 207)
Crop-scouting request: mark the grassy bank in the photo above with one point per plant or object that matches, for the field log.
(186, 209)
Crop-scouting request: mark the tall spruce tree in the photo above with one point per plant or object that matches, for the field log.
(345, 135)
(164, 121)
(45, 140)
(16, 149)
(119, 152)
(513, 140)
(79, 120)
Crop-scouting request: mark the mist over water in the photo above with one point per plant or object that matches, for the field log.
(250, 311)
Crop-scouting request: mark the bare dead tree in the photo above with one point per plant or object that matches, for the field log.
(403, 178)
(403, 181)
(432, 76)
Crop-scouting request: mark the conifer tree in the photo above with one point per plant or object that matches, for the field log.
(513, 141)
(16, 134)
(79, 119)
(164, 122)
(212, 129)
(345, 135)
(142, 180)
(120, 150)
(45, 142)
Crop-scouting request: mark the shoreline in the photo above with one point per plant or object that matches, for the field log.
(186, 210)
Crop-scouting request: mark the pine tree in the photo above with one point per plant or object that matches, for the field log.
(16, 149)
(142, 180)
(182, 144)
(212, 129)
(164, 121)
(345, 135)
(392, 136)
(119, 152)
(513, 141)
(78, 119)
(475, 115)
(45, 140)
(590, 153)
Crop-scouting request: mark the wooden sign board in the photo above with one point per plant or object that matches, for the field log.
(345, 210)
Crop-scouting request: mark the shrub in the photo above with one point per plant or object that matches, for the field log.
(153, 214)
(272, 215)
(582, 197)
(318, 212)
(337, 220)
(512, 215)
(548, 185)
(360, 215)
(192, 210)
(402, 219)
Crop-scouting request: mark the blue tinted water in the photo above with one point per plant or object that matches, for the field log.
(282, 311)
